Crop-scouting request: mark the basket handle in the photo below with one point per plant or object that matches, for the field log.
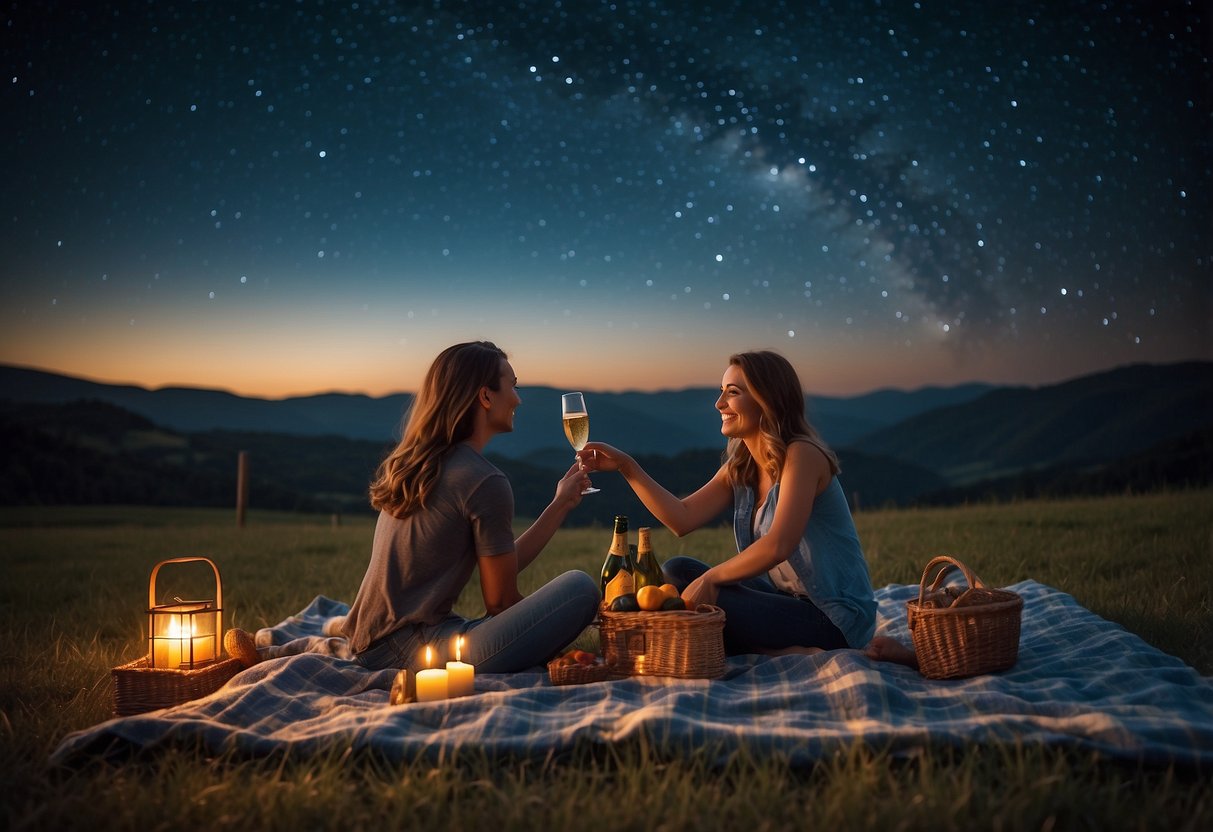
(151, 587)
(946, 564)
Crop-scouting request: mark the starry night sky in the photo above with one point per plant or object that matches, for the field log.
(292, 197)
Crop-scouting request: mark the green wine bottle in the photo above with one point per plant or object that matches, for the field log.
(648, 570)
(617, 576)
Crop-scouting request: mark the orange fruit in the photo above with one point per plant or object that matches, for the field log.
(650, 597)
(671, 591)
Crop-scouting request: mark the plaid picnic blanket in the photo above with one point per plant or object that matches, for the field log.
(1081, 682)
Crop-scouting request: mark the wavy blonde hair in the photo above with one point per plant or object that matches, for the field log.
(441, 416)
(776, 388)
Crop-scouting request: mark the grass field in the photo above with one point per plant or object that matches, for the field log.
(72, 607)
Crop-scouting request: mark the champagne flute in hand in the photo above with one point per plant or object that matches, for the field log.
(576, 424)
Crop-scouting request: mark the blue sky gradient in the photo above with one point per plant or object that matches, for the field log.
(285, 198)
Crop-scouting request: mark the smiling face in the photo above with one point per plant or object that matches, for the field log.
(739, 410)
(504, 400)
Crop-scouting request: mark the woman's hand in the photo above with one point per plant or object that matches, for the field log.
(702, 590)
(599, 456)
(570, 486)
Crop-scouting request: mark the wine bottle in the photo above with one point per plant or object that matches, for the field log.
(648, 570)
(617, 577)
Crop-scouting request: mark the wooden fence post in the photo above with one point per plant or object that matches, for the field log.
(241, 487)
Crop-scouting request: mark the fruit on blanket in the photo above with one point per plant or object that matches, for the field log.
(651, 597)
(625, 603)
(671, 591)
(576, 658)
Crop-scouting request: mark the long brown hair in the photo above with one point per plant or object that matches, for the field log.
(441, 416)
(776, 388)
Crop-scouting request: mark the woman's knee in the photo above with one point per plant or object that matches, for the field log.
(681, 570)
(579, 585)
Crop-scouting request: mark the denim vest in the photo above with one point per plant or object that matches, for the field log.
(828, 561)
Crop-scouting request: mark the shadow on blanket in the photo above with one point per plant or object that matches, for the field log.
(1081, 682)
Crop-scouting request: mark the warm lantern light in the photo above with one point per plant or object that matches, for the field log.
(183, 634)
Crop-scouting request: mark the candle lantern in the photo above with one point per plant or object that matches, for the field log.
(183, 635)
(183, 660)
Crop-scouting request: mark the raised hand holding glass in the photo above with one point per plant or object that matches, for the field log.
(576, 424)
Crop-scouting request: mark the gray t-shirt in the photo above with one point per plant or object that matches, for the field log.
(420, 564)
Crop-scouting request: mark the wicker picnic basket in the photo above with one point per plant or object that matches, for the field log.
(578, 674)
(139, 687)
(960, 633)
(688, 644)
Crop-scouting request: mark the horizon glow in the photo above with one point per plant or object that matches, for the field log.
(891, 197)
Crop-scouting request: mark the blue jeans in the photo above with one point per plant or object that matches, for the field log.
(758, 617)
(526, 635)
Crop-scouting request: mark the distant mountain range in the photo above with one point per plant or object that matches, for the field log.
(661, 422)
(68, 440)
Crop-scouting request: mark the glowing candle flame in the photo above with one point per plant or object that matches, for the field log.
(429, 656)
(459, 649)
(177, 630)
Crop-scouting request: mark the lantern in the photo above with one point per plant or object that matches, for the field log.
(184, 634)
(183, 660)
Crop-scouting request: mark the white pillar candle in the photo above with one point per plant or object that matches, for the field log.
(167, 653)
(167, 647)
(431, 682)
(461, 676)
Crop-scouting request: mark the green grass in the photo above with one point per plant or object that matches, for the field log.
(75, 587)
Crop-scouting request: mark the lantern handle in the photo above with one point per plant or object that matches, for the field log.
(151, 586)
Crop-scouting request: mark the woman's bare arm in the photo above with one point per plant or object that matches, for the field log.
(680, 515)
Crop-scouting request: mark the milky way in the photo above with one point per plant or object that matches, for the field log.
(906, 174)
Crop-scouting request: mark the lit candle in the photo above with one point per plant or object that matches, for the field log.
(167, 647)
(431, 682)
(181, 644)
(461, 676)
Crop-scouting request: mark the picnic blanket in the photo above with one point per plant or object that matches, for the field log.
(1080, 681)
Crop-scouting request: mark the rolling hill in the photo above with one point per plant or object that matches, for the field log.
(665, 422)
(91, 452)
(1085, 421)
(72, 441)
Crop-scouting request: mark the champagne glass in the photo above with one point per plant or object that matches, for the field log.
(576, 424)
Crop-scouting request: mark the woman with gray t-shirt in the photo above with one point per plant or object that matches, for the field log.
(445, 510)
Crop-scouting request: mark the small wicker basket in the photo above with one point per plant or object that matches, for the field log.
(578, 674)
(688, 644)
(967, 633)
(139, 687)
